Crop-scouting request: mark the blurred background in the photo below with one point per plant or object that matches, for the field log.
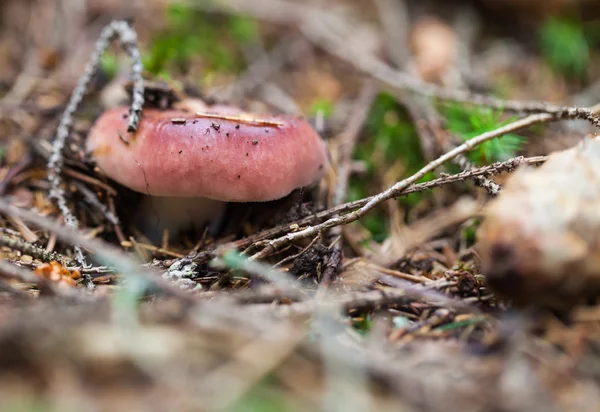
(316, 59)
(308, 58)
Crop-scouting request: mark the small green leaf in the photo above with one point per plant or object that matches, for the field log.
(469, 232)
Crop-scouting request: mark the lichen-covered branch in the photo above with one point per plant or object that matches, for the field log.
(128, 40)
(30, 249)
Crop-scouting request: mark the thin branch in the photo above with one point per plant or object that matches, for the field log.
(259, 71)
(348, 140)
(91, 198)
(128, 40)
(398, 188)
(30, 249)
(489, 185)
(103, 251)
(395, 22)
(316, 25)
(259, 238)
(405, 294)
(316, 28)
(296, 255)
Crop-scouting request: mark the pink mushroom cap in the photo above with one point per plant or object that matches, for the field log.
(225, 156)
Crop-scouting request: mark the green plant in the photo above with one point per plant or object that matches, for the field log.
(460, 324)
(321, 105)
(392, 133)
(390, 138)
(190, 33)
(243, 29)
(363, 324)
(27, 405)
(565, 46)
(467, 123)
(109, 64)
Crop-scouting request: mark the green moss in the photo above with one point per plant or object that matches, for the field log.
(391, 132)
(243, 29)
(469, 232)
(190, 33)
(565, 46)
(109, 64)
(466, 123)
(390, 137)
(460, 324)
(27, 405)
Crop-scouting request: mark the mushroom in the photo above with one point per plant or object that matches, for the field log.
(191, 164)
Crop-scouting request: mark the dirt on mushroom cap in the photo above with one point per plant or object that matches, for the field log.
(230, 158)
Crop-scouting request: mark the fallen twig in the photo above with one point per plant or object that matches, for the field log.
(370, 300)
(128, 40)
(93, 201)
(348, 138)
(317, 25)
(103, 251)
(30, 249)
(398, 188)
(258, 239)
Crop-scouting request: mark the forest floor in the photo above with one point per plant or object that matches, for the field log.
(363, 293)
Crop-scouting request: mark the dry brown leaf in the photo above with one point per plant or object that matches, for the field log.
(56, 272)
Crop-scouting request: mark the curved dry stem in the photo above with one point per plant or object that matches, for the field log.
(128, 39)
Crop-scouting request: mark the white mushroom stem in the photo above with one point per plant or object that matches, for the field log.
(177, 214)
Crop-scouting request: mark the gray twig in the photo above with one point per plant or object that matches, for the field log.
(317, 26)
(128, 40)
(348, 140)
(399, 187)
(260, 238)
(30, 249)
(489, 185)
(93, 201)
(103, 251)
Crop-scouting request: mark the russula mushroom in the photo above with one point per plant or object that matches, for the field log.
(539, 243)
(190, 164)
